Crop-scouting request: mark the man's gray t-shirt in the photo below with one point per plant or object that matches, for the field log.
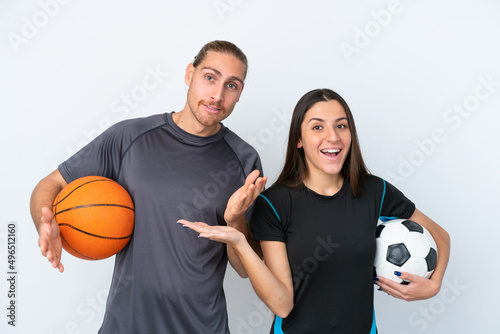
(167, 280)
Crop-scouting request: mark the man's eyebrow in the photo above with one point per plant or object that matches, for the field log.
(216, 71)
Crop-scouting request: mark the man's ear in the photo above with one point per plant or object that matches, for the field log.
(189, 74)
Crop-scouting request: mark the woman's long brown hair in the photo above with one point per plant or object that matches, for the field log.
(295, 169)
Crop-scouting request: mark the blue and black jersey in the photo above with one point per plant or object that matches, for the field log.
(330, 241)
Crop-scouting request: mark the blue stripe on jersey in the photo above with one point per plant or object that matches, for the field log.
(383, 218)
(277, 321)
(386, 219)
(277, 326)
(268, 201)
(382, 202)
(374, 323)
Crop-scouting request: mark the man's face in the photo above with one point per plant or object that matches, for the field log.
(215, 86)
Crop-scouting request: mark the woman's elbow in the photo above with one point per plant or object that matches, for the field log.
(284, 310)
(444, 236)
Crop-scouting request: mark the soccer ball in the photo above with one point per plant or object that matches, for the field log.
(404, 245)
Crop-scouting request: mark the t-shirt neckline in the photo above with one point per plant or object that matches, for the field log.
(193, 139)
(325, 198)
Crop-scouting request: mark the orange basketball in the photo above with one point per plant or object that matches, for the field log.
(96, 217)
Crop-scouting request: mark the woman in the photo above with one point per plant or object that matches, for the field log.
(316, 227)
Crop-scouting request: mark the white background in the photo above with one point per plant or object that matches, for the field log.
(421, 77)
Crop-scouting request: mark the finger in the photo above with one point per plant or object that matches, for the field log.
(56, 263)
(187, 222)
(44, 250)
(52, 258)
(195, 226)
(407, 276)
(241, 202)
(47, 214)
(252, 177)
(387, 285)
(262, 186)
(397, 290)
(392, 292)
(42, 243)
(212, 235)
(218, 235)
(261, 183)
(259, 187)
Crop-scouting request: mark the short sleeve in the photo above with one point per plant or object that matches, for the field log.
(102, 157)
(266, 223)
(395, 204)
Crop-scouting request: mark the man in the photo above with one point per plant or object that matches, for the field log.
(177, 165)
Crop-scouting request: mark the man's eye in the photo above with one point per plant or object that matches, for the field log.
(209, 77)
(232, 86)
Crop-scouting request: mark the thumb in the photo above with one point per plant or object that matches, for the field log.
(47, 214)
(406, 276)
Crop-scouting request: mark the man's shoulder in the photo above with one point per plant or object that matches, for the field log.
(128, 130)
(142, 123)
(235, 140)
(245, 153)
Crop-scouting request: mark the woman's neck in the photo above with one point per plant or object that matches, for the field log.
(327, 185)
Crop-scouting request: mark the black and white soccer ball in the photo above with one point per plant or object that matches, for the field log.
(404, 245)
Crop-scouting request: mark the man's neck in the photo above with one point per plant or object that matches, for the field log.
(187, 122)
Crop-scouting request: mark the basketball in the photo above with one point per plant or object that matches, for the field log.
(96, 217)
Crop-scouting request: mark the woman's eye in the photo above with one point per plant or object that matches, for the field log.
(317, 127)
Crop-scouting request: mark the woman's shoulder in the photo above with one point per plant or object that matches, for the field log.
(276, 191)
(279, 195)
(373, 183)
(373, 179)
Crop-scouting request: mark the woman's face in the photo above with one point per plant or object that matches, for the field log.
(325, 138)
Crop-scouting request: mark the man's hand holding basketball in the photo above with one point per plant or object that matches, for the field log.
(49, 239)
